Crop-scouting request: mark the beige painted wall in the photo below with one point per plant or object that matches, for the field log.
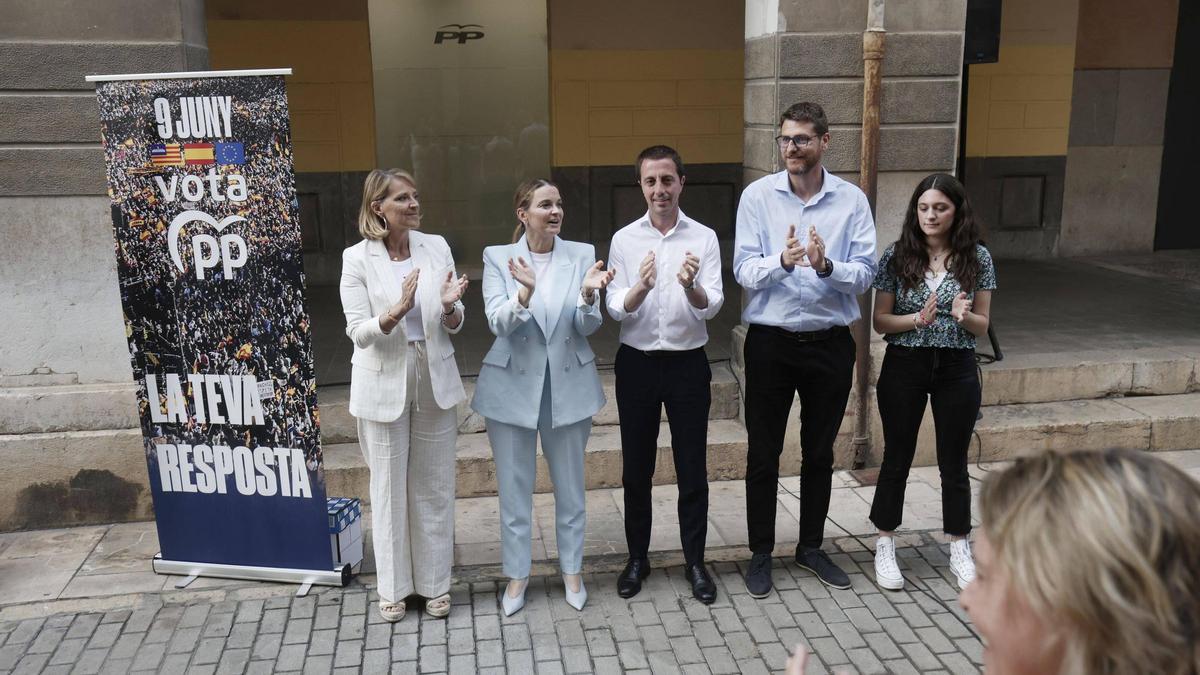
(330, 94)
(1021, 106)
(616, 91)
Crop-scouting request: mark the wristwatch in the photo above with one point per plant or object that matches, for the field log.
(828, 269)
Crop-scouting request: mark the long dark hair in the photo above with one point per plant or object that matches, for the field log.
(909, 257)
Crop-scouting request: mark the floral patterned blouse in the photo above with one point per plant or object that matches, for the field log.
(945, 331)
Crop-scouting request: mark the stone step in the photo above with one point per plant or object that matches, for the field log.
(1039, 378)
(1063, 376)
(1150, 423)
(346, 471)
(338, 426)
(1153, 423)
(63, 478)
(69, 407)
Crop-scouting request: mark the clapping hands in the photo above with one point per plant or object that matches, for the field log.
(648, 271)
(452, 290)
(688, 270)
(960, 307)
(814, 251)
(524, 275)
(595, 279)
(793, 253)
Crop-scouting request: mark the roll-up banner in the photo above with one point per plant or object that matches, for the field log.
(205, 222)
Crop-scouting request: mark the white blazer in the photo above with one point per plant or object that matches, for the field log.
(369, 288)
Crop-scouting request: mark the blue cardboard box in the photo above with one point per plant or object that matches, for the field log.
(345, 531)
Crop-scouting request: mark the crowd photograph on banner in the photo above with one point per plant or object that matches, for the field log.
(806, 336)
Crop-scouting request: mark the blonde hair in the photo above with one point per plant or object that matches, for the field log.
(1105, 546)
(523, 198)
(370, 224)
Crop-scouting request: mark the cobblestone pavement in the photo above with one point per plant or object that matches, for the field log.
(263, 628)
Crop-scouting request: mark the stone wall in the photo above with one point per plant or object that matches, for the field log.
(66, 392)
(815, 54)
(1123, 62)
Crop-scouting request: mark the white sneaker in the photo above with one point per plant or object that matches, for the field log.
(887, 572)
(961, 562)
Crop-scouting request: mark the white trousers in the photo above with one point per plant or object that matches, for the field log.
(412, 489)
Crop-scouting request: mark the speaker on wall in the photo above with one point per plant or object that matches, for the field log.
(982, 43)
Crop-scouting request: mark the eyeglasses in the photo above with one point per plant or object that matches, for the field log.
(798, 141)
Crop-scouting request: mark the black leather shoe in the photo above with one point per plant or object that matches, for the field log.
(817, 561)
(703, 588)
(629, 583)
(758, 577)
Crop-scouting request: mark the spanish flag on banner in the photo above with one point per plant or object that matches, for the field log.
(198, 153)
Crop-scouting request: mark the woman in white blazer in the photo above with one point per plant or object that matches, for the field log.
(402, 302)
(541, 300)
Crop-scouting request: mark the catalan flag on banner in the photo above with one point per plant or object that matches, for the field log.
(169, 154)
(197, 153)
(230, 153)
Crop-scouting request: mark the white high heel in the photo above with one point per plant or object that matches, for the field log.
(512, 605)
(576, 599)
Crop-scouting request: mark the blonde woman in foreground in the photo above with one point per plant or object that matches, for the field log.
(1088, 562)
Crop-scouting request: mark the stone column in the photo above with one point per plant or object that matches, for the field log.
(1123, 59)
(811, 50)
(66, 390)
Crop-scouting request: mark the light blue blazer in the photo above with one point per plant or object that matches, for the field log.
(552, 331)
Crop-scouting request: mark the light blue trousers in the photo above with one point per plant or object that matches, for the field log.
(515, 452)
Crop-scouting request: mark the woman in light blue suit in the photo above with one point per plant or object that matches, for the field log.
(541, 299)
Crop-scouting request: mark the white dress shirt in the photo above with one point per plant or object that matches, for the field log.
(666, 320)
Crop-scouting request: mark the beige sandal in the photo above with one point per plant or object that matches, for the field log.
(391, 611)
(438, 607)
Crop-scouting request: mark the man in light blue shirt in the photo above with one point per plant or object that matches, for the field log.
(804, 251)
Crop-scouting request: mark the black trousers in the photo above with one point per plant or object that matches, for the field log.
(910, 377)
(779, 366)
(646, 381)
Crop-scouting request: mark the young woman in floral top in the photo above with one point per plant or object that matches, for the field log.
(933, 294)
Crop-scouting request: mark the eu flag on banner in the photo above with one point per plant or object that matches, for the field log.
(230, 153)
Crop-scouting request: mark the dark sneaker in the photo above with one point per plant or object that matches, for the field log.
(817, 561)
(758, 577)
(703, 588)
(629, 583)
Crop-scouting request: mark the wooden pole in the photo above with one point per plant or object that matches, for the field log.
(873, 45)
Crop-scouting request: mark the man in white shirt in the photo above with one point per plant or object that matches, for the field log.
(667, 285)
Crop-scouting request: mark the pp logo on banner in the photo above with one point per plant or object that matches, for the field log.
(207, 251)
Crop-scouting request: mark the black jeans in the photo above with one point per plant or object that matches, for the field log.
(778, 367)
(645, 382)
(910, 376)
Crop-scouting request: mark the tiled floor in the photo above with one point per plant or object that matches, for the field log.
(109, 560)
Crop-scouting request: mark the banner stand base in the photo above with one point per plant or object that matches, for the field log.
(338, 576)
